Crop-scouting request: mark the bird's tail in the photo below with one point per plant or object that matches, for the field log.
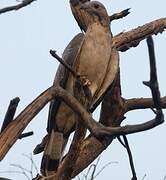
(52, 153)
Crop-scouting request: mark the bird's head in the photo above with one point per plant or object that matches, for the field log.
(96, 11)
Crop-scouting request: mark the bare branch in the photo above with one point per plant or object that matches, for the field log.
(121, 142)
(33, 165)
(120, 15)
(130, 158)
(10, 112)
(106, 165)
(153, 83)
(16, 7)
(10, 115)
(24, 135)
(8, 137)
(142, 103)
(125, 40)
(68, 67)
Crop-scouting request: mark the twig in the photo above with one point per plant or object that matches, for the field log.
(10, 112)
(94, 169)
(120, 15)
(104, 168)
(10, 115)
(121, 142)
(153, 83)
(16, 7)
(144, 177)
(24, 135)
(23, 170)
(130, 158)
(32, 162)
(68, 67)
(85, 176)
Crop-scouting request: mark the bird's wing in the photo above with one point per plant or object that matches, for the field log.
(98, 61)
(61, 78)
(62, 74)
(108, 81)
(60, 120)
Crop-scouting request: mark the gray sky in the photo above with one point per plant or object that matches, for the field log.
(27, 69)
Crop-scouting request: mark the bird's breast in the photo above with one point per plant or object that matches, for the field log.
(94, 56)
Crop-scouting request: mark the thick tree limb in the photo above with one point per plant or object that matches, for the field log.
(142, 103)
(66, 170)
(8, 137)
(16, 7)
(125, 40)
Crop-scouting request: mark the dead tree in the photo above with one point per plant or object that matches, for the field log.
(102, 133)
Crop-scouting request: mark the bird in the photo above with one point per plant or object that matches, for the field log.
(61, 120)
(96, 57)
(97, 62)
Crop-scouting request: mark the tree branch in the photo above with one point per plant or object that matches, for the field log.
(124, 41)
(142, 103)
(120, 15)
(16, 7)
(68, 67)
(130, 158)
(10, 115)
(10, 112)
(27, 134)
(8, 137)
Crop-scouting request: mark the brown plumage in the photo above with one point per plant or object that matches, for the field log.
(61, 120)
(93, 57)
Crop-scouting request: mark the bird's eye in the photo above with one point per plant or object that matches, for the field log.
(96, 6)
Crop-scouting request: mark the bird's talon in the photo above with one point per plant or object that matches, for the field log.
(84, 80)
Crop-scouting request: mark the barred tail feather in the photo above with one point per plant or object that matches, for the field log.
(52, 153)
